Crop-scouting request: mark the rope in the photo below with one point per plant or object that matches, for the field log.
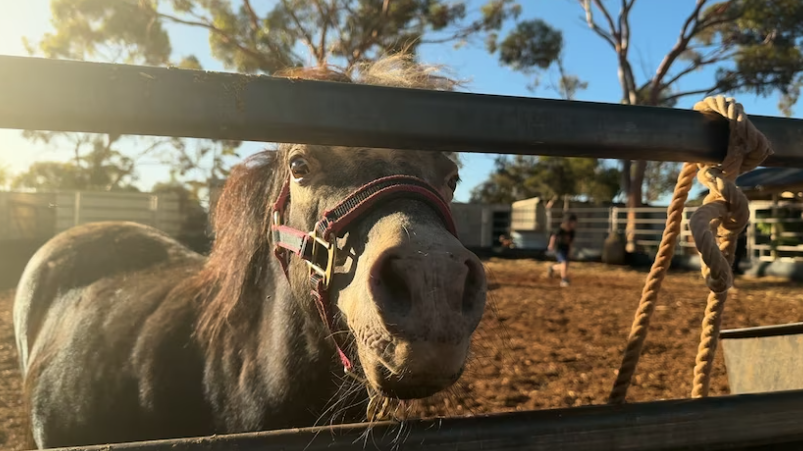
(724, 209)
(649, 295)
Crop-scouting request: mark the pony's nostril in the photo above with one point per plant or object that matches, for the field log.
(473, 285)
(391, 286)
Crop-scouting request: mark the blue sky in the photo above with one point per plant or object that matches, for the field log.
(655, 25)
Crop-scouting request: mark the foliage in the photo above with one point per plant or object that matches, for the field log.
(197, 163)
(247, 37)
(533, 45)
(753, 46)
(660, 178)
(101, 167)
(103, 30)
(521, 177)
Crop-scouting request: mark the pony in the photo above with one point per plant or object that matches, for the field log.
(331, 268)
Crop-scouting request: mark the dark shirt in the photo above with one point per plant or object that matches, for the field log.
(563, 239)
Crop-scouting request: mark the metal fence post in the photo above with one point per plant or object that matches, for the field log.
(613, 220)
(77, 209)
(751, 234)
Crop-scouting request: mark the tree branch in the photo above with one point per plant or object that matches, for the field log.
(225, 37)
(686, 34)
(252, 18)
(325, 21)
(607, 16)
(706, 23)
(371, 36)
(304, 33)
(624, 25)
(704, 62)
(707, 92)
(614, 38)
(586, 5)
(156, 144)
(716, 89)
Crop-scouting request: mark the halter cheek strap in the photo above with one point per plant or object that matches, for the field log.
(318, 248)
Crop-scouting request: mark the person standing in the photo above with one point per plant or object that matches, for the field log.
(561, 242)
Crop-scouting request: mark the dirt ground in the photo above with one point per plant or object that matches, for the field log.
(541, 346)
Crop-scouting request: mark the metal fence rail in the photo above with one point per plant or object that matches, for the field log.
(94, 97)
(742, 422)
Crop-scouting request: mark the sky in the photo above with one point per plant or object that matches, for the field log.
(655, 25)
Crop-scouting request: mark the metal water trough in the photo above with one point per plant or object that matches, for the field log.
(764, 359)
(41, 94)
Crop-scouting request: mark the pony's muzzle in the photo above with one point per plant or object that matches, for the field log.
(442, 285)
(430, 303)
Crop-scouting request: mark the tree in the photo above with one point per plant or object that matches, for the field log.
(95, 164)
(197, 165)
(48, 176)
(54, 175)
(252, 38)
(753, 45)
(521, 177)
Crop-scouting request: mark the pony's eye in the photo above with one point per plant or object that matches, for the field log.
(453, 182)
(299, 167)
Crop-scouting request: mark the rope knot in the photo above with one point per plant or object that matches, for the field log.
(747, 147)
(725, 208)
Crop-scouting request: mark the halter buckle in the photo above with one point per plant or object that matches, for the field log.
(331, 255)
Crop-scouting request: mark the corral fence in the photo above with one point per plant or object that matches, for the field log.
(35, 215)
(774, 233)
(29, 219)
(533, 221)
(595, 224)
(131, 100)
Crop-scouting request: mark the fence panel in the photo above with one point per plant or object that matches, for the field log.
(26, 216)
(162, 211)
(776, 231)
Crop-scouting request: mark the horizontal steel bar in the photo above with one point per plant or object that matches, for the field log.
(762, 331)
(59, 95)
(729, 422)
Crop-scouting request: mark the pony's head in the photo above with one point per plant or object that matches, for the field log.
(367, 241)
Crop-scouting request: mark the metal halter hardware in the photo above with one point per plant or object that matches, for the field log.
(314, 246)
(318, 248)
(331, 255)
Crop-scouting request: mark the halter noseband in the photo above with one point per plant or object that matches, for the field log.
(318, 248)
